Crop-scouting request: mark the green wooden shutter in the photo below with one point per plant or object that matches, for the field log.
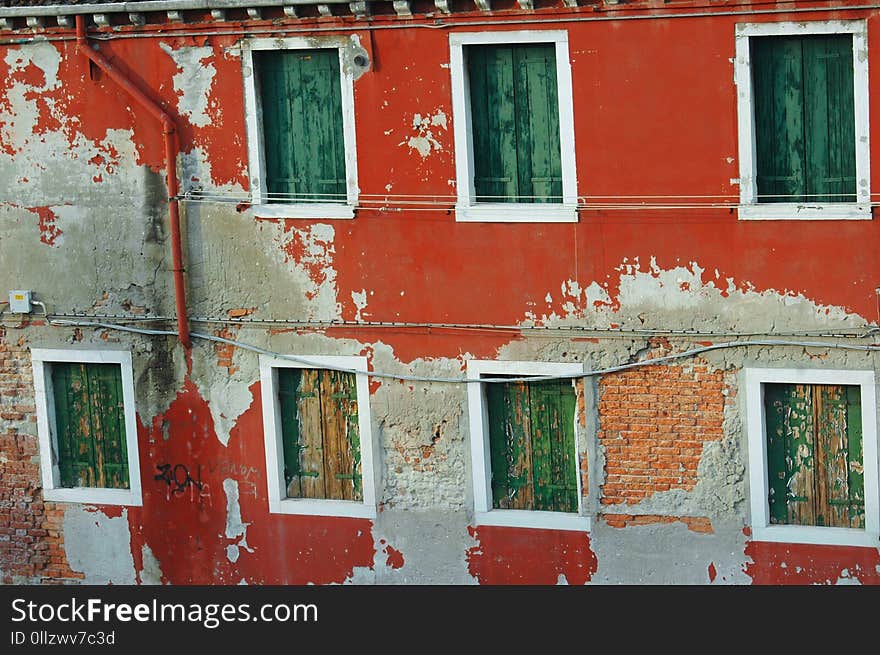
(804, 118)
(777, 70)
(515, 123)
(90, 425)
(510, 445)
(288, 394)
(552, 409)
(829, 118)
(320, 434)
(855, 470)
(302, 125)
(532, 446)
(814, 455)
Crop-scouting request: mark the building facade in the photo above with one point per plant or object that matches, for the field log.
(438, 292)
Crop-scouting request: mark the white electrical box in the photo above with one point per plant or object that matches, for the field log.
(20, 302)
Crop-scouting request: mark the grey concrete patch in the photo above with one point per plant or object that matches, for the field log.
(668, 554)
(98, 546)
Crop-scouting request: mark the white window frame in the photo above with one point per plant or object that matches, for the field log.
(478, 415)
(756, 425)
(41, 361)
(750, 208)
(254, 126)
(279, 503)
(467, 209)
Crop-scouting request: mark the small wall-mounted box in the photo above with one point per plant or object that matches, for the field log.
(20, 302)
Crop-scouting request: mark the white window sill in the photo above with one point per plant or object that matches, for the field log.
(518, 518)
(318, 507)
(505, 212)
(795, 211)
(92, 496)
(799, 534)
(305, 210)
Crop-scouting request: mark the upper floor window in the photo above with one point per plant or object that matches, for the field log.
(300, 118)
(514, 135)
(803, 132)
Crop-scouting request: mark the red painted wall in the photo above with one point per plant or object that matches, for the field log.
(655, 114)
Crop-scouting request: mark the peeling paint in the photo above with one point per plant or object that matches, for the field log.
(193, 82)
(424, 141)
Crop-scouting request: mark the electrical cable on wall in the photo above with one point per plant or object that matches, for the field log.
(305, 361)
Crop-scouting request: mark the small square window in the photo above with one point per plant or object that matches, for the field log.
(803, 130)
(318, 438)
(514, 134)
(813, 456)
(86, 423)
(524, 437)
(300, 118)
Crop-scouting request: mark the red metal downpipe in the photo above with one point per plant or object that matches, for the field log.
(172, 148)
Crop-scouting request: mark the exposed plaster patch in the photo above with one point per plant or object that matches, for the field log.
(151, 573)
(423, 141)
(359, 298)
(193, 82)
(683, 297)
(198, 176)
(225, 388)
(312, 251)
(234, 526)
(98, 546)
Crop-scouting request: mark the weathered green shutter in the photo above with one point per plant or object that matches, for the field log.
(320, 434)
(531, 445)
(302, 125)
(510, 445)
(829, 118)
(90, 425)
(814, 455)
(804, 118)
(515, 123)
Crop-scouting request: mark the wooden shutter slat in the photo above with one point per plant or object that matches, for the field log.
(510, 437)
(775, 403)
(61, 394)
(855, 457)
(537, 113)
(493, 122)
(829, 118)
(832, 487)
(801, 453)
(312, 473)
(544, 423)
(777, 73)
(339, 408)
(111, 457)
(288, 388)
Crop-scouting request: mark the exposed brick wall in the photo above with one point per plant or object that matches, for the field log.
(31, 545)
(653, 424)
(694, 523)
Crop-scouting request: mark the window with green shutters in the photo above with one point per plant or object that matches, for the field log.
(814, 455)
(804, 118)
(532, 445)
(89, 422)
(302, 124)
(320, 434)
(514, 104)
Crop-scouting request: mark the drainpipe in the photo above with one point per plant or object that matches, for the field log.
(172, 148)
